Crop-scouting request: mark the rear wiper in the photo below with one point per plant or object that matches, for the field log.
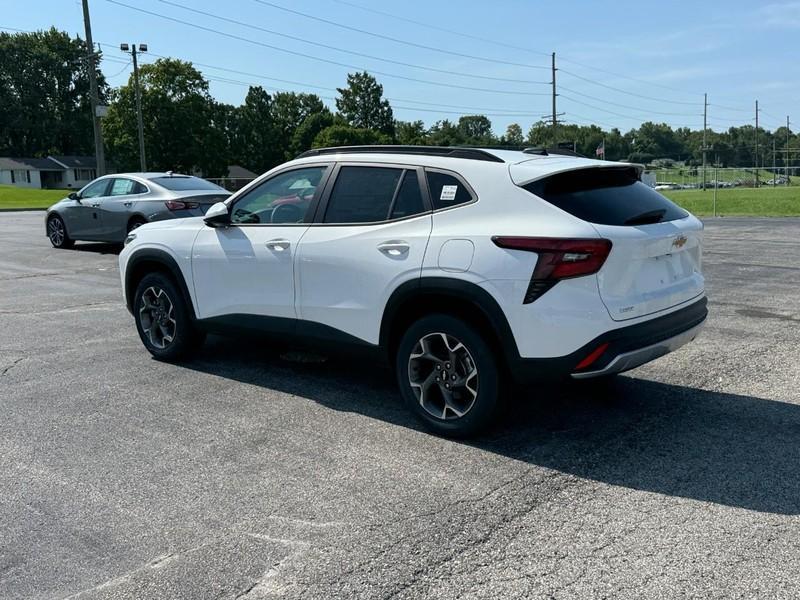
(651, 216)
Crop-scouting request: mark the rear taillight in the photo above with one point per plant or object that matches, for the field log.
(559, 259)
(178, 205)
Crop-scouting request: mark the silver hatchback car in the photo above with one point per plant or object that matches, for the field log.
(112, 206)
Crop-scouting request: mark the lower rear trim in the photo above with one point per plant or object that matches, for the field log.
(635, 358)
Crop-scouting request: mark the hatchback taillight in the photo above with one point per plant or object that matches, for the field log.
(178, 205)
(559, 258)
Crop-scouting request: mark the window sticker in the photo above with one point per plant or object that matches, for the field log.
(448, 192)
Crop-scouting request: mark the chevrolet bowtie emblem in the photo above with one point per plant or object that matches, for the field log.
(679, 241)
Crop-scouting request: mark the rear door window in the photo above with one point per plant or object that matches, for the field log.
(122, 187)
(447, 190)
(374, 194)
(606, 196)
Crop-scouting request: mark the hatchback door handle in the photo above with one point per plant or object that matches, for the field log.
(278, 245)
(394, 248)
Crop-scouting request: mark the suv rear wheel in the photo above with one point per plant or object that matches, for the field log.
(163, 319)
(448, 375)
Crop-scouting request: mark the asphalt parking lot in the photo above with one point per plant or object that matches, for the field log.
(242, 474)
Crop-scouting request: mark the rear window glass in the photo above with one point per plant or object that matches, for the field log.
(447, 190)
(606, 196)
(180, 184)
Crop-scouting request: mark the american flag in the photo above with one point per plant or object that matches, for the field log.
(601, 149)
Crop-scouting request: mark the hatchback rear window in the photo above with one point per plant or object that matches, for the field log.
(606, 196)
(180, 184)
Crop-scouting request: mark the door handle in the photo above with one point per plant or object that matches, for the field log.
(127, 204)
(394, 248)
(278, 245)
(96, 205)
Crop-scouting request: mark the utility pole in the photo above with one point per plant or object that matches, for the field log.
(756, 155)
(786, 156)
(99, 154)
(774, 168)
(555, 117)
(137, 91)
(705, 126)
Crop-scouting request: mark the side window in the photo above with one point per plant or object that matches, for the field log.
(374, 194)
(362, 194)
(121, 187)
(409, 198)
(446, 190)
(95, 190)
(284, 198)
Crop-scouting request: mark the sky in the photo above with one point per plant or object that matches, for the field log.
(619, 63)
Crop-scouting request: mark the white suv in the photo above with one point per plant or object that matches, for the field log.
(463, 268)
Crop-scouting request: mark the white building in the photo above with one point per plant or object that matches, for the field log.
(65, 172)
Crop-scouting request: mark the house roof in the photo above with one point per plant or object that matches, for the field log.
(237, 171)
(76, 162)
(36, 164)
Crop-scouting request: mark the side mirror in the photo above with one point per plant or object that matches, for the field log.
(218, 215)
(74, 196)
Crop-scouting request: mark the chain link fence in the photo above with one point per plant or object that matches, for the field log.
(690, 178)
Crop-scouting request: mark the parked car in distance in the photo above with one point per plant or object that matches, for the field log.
(112, 206)
(465, 269)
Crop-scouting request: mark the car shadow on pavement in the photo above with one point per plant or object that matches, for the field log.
(729, 449)
(97, 247)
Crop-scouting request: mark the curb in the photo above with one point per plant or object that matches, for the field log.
(22, 209)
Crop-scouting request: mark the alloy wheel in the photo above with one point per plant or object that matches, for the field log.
(157, 317)
(443, 376)
(55, 231)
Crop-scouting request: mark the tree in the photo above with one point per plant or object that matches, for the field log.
(289, 111)
(44, 94)
(345, 135)
(410, 133)
(309, 129)
(445, 133)
(476, 129)
(362, 105)
(255, 134)
(513, 136)
(183, 125)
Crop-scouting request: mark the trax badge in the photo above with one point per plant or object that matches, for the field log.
(679, 241)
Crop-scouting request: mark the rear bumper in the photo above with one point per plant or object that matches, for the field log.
(627, 347)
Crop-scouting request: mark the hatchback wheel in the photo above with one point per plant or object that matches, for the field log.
(57, 233)
(163, 319)
(448, 375)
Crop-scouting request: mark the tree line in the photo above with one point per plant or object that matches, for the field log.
(44, 109)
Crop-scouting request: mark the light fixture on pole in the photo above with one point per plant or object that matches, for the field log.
(133, 51)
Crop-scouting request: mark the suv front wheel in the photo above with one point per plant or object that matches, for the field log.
(448, 375)
(163, 320)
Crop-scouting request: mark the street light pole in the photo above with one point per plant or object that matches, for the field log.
(137, 91)
(91, 63)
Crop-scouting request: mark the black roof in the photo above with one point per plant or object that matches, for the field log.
(38, 164)
(76, 162)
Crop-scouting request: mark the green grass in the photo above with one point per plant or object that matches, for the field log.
(743, 202)
(682, 175)
(14, 197)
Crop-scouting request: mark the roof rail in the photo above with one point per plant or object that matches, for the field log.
(452, 152)
(542, 151)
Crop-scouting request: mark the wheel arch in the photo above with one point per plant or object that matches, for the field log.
(463, 299)
(151, 260)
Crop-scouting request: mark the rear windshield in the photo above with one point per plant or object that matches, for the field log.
(180, 184)
(606, 196)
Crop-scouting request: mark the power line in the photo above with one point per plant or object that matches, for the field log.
(616, 89)
(437, 28)
(394, 39)
(324, 60)
(630, 117)
(655, 112)
(354, 53)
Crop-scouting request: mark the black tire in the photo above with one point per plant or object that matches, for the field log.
(478, 399)
(57, 233)
(135, 223)
(168, 334)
